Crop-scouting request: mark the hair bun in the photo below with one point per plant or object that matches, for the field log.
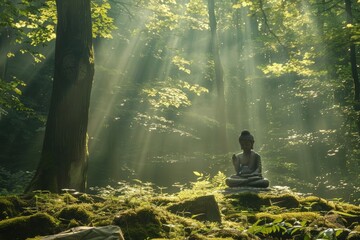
(246, 135)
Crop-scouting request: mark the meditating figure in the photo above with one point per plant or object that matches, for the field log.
(247, 165)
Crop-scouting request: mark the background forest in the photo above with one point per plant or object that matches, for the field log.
(173, 89)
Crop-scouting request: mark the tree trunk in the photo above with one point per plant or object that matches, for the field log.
(219, 78)
(353, 64)
(4, 49)
(63, 162)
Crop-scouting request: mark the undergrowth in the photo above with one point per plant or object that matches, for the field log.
(141, 209)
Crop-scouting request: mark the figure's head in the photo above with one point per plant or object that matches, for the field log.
(246, 140)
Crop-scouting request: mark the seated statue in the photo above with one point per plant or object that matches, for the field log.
(247, 165)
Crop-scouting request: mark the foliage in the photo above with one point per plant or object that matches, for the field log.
(38, 25)
(13, 182)
(9, 96)
(28, 24)
(165, 96)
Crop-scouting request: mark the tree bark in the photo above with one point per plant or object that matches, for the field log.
(63, 162)
(219, 77)
(4, 49)
(353, 64)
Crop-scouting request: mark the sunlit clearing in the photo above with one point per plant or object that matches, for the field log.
(154, 98)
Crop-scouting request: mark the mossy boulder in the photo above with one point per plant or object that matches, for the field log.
(7, 209)
(140, 223)
(19, 228)
(318, 204)
(204, 208)
(249, 200)
(284, 200)
(75, 212)
(10, 206)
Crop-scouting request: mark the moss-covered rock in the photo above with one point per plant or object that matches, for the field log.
(284, 200)
(10, 206)
(75, 212)
(318, 204)
(19, 228)
(7, 209)
(141, 223)
(204, 208)
(299, 216)
(249, 200)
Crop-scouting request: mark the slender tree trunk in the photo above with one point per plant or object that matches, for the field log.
(219, 77)
(4, 48)
(63, 162)
(354, 71)
(242, 115)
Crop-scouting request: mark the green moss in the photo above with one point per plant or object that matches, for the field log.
(85, 198)
(348, 208)
(318, 204)
(284, 200)
(69, 199)
(204, 208)
(140, 223)
(75, 212)
(73, 223)
(300, 216)
(7, 209)
(10, 206)
(149, 217)
(249, 200)
(28, 226)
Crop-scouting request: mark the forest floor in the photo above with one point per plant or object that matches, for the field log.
(204, 210)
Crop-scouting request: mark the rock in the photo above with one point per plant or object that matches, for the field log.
(110, 232)
(7, 209)
(10, 206)
(27, 226)
(248, 200)
(140, 223)
(204, 208)
(232, 190)
(285, 200)
(76, 212)
(321, 206)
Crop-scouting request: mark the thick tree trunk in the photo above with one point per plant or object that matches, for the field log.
(63, 162)
(219, 78)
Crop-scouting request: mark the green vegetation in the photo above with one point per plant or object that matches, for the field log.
(290, 76)
(144, 213)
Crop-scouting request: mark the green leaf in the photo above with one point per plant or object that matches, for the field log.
(338, 232)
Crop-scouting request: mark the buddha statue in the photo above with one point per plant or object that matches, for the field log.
(247, 165)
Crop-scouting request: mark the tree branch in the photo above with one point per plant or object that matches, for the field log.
(269, 28)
